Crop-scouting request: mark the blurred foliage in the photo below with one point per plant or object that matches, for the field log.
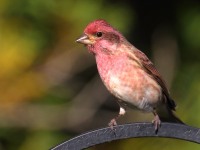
(49, 91)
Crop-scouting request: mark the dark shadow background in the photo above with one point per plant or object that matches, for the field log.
(50, 90)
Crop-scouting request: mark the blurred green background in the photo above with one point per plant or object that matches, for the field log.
(49, 87)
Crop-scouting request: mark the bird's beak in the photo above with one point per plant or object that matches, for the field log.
(84, 39)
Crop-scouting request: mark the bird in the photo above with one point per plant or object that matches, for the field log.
(128, 74)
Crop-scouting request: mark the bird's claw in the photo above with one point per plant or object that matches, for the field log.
(156, 121)
(112, 123)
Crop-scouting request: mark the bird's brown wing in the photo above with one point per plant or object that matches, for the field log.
(150, 69)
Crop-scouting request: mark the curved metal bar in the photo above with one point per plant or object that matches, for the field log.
(167, 130)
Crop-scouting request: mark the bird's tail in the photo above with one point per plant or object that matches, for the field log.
(168, 115)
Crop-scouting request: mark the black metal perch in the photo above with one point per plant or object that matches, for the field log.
(167, 130)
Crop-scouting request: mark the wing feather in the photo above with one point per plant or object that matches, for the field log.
(150, 69)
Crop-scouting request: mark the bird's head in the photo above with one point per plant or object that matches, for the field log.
(100, 37)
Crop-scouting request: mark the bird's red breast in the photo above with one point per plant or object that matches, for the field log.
(127, 80)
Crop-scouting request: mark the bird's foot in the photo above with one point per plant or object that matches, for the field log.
(156, 121)
(112, 123)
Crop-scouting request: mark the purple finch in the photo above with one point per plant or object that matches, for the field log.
(128, 73)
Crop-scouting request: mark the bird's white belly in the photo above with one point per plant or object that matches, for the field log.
(135, 91)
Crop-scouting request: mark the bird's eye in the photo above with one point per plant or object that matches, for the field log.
(99, 34)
